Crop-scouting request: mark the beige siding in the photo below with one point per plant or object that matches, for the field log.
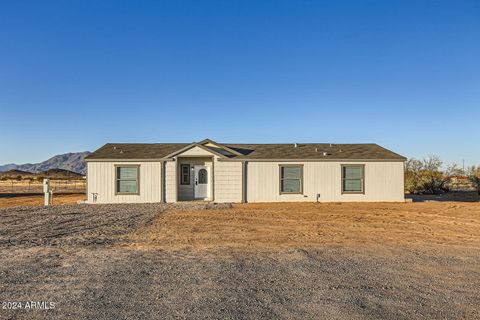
(228, 181)
(101, 180)
(170, 181)
(383, 182)
(196, 151)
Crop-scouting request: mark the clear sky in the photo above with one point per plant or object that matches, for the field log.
(77, 74)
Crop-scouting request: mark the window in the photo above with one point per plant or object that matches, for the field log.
(202, 176)
(127, 179)
(185, 174)
(291, 179)
(353, 178)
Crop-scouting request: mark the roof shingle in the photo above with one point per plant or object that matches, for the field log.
(285, 151)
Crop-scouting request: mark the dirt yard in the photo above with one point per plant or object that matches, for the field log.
(36, 186)
(290, 225)
(21, 199)
(287, 261)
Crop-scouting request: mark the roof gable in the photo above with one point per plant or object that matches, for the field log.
(209, 146)
(214, 145)
(195, 149)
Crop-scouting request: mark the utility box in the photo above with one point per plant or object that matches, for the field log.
(46, 185)
(47, 192)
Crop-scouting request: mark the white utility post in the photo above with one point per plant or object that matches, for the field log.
(47, 192)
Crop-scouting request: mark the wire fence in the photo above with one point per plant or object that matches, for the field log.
(33, 186)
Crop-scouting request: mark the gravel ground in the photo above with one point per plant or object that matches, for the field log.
(80, 224)
(78, 257)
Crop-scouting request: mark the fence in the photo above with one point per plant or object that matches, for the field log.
(33, 186)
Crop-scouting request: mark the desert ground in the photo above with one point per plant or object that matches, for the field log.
(36, 187)
(35, 199)
(246, 261)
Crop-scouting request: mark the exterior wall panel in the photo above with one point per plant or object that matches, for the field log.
(171, 181)
(228, 181)
(383, 182)
(101, 180)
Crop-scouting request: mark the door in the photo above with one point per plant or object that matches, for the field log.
(202, 182)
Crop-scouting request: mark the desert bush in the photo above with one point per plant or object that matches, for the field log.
(473, 173)
(427, 176)
(413, 176)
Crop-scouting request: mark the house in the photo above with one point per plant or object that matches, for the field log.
(232, 172)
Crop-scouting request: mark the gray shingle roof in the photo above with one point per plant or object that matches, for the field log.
(135, 150)
(367, 151)
(285, 151)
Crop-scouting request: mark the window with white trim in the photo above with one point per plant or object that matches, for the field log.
(127, 179)
(353, 178)
(291, 179)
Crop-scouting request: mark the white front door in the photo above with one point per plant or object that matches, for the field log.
(202, 182)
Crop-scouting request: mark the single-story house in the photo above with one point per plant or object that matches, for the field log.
(232, 172)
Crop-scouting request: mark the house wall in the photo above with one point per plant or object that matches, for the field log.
(228, 181)
(171, 181)
(384, 181)
(101, 180)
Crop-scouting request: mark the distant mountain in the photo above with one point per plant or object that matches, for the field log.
(8, 167)
(69, 161)
(51, 173)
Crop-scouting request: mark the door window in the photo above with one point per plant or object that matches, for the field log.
(202, 176)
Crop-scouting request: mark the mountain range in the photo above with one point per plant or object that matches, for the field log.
(69, 161)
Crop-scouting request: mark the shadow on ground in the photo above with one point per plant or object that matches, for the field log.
(458, 196)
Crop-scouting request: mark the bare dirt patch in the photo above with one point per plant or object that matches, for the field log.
(291, 225)
(15, 200)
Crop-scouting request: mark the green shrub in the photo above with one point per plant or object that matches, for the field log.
(427, 176)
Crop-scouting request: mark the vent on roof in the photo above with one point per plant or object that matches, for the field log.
(295, 145)
(325, 153)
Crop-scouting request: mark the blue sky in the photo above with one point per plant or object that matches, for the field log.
(77, 74)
